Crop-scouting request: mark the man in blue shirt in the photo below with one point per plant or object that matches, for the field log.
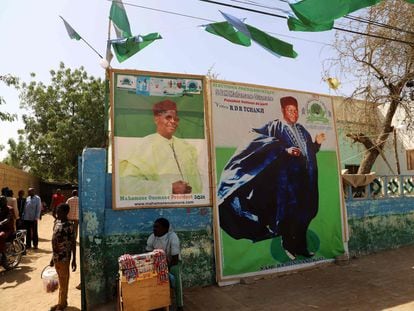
(31, 215)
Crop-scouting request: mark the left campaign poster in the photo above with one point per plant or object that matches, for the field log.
(160, 140)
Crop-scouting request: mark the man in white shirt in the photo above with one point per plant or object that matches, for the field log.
(161, 163)
(163, 238)
(73, 214)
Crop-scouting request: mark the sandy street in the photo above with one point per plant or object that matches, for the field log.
(22, 288)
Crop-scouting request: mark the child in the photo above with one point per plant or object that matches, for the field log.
(63, 245)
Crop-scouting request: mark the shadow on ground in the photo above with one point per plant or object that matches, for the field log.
(15, 277)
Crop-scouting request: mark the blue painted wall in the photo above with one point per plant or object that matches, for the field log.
(106, 234)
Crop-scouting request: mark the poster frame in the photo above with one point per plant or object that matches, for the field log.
(205, 93)
(228, 280)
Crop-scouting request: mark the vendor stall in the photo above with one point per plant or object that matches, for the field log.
(143, 282)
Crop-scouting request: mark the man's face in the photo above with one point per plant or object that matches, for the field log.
(30, 192)
(167, 123)
(290, 114)
(158, 229)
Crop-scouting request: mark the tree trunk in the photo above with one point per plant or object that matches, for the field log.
(373, 152)
(368, 161)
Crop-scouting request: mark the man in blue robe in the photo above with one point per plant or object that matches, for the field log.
(270, 187)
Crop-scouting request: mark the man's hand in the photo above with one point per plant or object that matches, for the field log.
(320, 138)
(73, 265)
(293, 151)
(181, 187)
(174, 260)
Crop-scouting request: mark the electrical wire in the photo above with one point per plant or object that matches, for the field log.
(264, 13)
(164, 11)
(211, 21)
(355, 18)
(284, 17)
(361, 153)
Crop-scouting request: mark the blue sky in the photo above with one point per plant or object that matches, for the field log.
(35, 40)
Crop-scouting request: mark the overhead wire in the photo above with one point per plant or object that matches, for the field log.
(263, 13)
(352, 17)
(210, 20)
(164, 11)
(289, 13)
(284, 17)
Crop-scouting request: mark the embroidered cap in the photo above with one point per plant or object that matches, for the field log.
(163, 106)
(288, 100)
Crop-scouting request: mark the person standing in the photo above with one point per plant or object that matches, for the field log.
(31, 216)
(167, 240)
(57, 199)
(73, 215)
(11, 201)
(21, 202)
(63, 246)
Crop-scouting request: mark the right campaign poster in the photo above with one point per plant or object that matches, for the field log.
(278, 201)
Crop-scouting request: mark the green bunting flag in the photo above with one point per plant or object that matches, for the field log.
(311, 12)
(127, 47)
(319, 11)
(227, 31)
(410, 1)
(71, 32)
(271, 44)
(119, 18)
(355, 5)
(295, 24)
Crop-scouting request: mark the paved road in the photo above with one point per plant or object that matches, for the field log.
(383, 281)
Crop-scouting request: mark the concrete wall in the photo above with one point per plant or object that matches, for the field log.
(106, 234)
(364, 117)
(381, 224)
(16, 179)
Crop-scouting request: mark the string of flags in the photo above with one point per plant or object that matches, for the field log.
(317, 15)
(126, 45)
(306, 15)
(238, 32)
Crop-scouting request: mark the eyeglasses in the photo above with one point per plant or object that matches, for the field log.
(290, 111)
(170, 117)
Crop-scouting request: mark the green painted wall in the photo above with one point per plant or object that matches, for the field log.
(376, 225)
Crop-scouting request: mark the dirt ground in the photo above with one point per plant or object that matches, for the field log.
(382, 281)
(22, 289)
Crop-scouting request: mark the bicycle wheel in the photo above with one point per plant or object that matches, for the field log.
(12, 255)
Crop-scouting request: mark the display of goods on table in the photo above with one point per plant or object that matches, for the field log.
(144, 283)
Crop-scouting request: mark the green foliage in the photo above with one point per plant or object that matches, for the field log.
(63, 118)
(17, 152)
(8, 80)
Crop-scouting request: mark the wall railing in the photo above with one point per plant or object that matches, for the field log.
(382, 187)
